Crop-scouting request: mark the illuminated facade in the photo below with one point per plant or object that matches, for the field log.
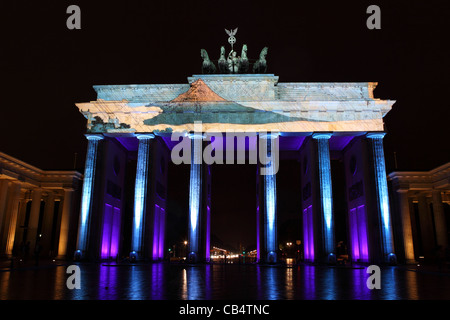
(315, 123)
(37, 207)
(422, 201)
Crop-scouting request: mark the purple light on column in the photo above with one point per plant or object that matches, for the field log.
(358, 232)
(311, 233)
(106, 236)
(208, 233)
(111, 232)
(354, 234)
(258, 247)
(115, 233)
(305, 234)
(156, 229)
(362, 233)
(308, 234)
(162, 225)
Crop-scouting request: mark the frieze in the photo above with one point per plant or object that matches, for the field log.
(253, 102)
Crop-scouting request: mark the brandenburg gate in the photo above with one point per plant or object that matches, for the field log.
(317, 122)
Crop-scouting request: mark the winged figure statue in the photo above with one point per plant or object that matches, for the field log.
(231, 38)
(231, 33)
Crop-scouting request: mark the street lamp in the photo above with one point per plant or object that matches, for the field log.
(185, 248)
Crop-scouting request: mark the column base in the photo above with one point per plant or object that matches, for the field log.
(392, 259)
(271, 257)
(78, 255)
(133, 256)
(192, 258)
(331, 259)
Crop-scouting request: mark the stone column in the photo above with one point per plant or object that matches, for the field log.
(405, 213)
(21, 218)
(208, 234)
(140, 196)
(376, 140)
(87, 194)
(4, 186)
(64, 228)
(11, 214)
(326, 194)
(207, 208)
(33, 221)
(156, 231)
(258, 218)
(195, 197)
(162, 232)
(267, 144)
(47, 225)
(426, 227)
(439, 220)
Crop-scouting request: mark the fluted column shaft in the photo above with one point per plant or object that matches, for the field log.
(33, 221)
(87, 193)
(326, 192)
(4, 186)
(64, 227)
(140, 195)
(48, 224)
(270, 195)
(12, 211)
(382, 193)
(405, 213)
(439, 220)
(195, 196)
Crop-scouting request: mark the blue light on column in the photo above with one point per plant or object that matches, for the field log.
(87, 193)
(140, 192)
(270, 200)
(195, 187)
(382, 191)
(326, 195)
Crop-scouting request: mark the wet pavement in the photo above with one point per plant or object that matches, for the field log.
(162, 281)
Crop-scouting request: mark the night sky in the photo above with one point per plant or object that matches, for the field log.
(47, 68)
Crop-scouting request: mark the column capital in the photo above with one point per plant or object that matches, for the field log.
(51, 193)
(37, 188)
(196, 135)
(322, 135)
(143, 136)
(90, 136)
(375, 135)
(268, 135)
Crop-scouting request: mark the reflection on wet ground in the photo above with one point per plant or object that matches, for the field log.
(205, 282)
